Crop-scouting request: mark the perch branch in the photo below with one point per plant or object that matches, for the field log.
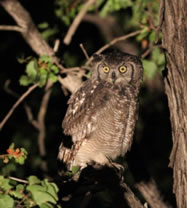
(77, 21)
(16, 104)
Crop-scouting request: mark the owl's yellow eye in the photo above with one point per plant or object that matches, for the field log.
(122, 69)
(106, 69)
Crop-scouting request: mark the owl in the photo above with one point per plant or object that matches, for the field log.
(101, 115)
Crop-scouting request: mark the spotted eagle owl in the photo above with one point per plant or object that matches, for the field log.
(102, 114)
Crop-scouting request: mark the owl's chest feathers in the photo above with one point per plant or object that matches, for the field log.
(111, 123)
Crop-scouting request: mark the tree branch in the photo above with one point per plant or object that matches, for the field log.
(111, 43)
(12, 28)
(30, 32)
(26, 106)
(151, 194)
(16, 104)
(132, 200)
(41, 123)
(77, 21)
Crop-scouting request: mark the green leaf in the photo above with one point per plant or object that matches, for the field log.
(6, 201)
(43, 25)
(152, 36)
(143, 34)
(114, 5)
(45, 59)
(16, 194)
(53, 77)
(9, 168)
(54, 69)
(75, 169)
(4, 183)
(157, 56)
(24, 151)
(20, 187)
(51, 188)
(24, 80)
(40, 194)
(46, 34)
(43, 80)
(11, 146)
(150, 68)
(33, 180)
(20, 160)
(31, 69)
(46, 205)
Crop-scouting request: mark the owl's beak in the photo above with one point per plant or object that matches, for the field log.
(113, 77)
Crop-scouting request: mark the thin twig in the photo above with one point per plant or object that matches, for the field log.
(56, 45)
(77, 21)
(41, 123)
(30, 116)
(16, 104)
(12, 28)
(121, 38)
(8, 90)
(26, 106)
(149, 50)
(18, 180)
(161, 19)
(151, 17)
(84, 51)
(22, 200)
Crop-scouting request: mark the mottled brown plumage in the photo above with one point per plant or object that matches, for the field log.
(102, 114)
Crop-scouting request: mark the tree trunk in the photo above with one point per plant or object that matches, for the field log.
(174, 42)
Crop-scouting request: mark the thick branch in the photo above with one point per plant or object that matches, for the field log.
(174, 29)
(30, 32)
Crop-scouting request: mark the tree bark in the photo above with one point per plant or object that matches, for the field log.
(174, 42)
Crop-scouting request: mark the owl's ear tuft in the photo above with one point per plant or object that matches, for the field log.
(97, 57)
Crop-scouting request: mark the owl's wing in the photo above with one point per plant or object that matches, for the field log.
(83, 110)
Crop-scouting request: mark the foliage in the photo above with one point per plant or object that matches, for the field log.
(20, 193)
(144, 16)
(18, 154)
(39, 71)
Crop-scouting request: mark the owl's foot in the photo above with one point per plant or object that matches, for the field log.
(119, 169)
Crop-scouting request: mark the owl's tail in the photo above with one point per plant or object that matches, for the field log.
(65, 157)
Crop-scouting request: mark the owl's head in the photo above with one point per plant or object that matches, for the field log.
(117, 68)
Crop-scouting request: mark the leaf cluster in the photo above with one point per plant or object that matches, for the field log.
(19, 155)
(39, 71)
(20, 193)
(34, 192)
